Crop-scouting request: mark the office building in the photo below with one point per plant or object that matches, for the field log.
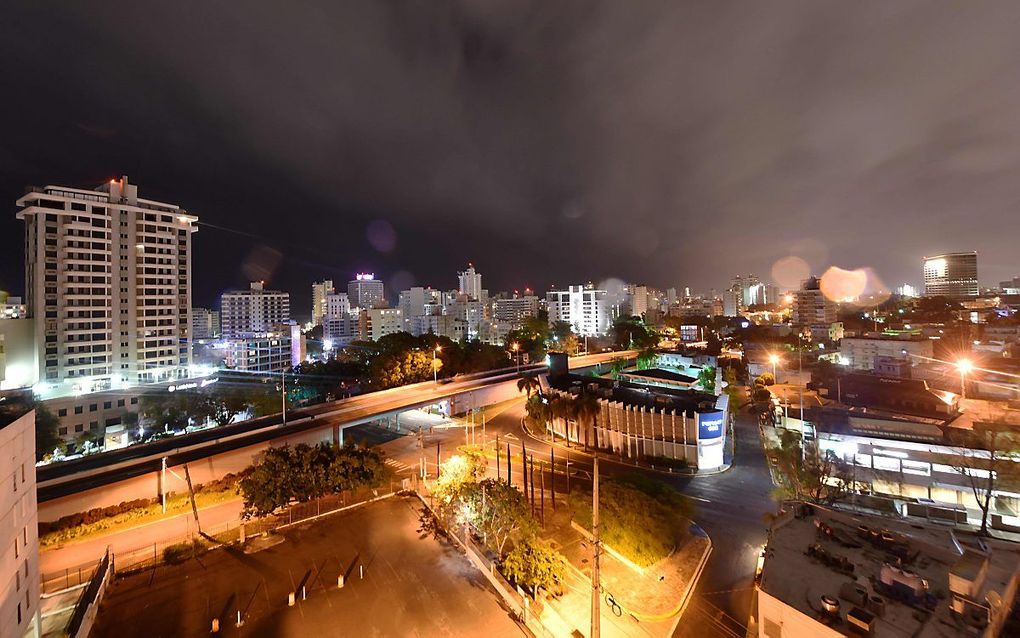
(811, 307)
(747, 290)
(862, 353)
(108, 281)
(1011, 286)
(19, 527)
(469, 283)
(469, 311)
(585, 308)
(906, 290)
(376, 323)
(418, 302)
(339, 331)
(338, 304)
(514, 310)
(365, 291)
(637, 300)
(953, 275)
(205, 323)
(320, 290)
(253, 311)
(260, 353)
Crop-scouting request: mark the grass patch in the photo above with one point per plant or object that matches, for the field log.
(106, 520)
(640, 517)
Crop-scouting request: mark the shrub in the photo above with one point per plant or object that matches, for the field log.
(180, 552)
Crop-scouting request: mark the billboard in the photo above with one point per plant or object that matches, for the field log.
(711, 424)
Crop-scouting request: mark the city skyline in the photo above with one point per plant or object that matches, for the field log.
(417, 192)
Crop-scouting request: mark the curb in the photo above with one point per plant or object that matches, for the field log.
(697, 577)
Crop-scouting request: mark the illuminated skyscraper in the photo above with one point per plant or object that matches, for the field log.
(951, 275)
(108, 285)
(365, 291)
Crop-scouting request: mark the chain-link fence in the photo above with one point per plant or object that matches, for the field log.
(191, 544)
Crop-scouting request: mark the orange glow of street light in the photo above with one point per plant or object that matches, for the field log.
(773, 359)
(965, 365)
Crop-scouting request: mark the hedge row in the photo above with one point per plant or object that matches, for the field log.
(97, 514)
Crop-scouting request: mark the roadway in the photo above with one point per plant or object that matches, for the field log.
(62, 479)
(730, 507)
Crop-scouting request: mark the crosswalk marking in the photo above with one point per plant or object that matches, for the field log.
(397, 465)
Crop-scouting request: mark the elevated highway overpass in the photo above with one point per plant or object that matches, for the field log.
(138, 471)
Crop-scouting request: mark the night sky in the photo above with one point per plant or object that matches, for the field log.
(672, 143)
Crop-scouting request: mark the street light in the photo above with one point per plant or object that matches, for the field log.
(774, 360)
(516, 347)
(965, 366)
(435, 370)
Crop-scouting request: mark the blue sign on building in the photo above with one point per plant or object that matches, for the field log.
(710, 425)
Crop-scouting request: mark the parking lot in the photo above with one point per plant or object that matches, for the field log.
(411, 586)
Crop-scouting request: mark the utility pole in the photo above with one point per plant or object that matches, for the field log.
(595, 586)
(552, 477)
(283, 396)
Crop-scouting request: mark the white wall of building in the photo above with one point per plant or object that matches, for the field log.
(19, 540)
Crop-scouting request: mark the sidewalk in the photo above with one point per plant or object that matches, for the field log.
(645, 602)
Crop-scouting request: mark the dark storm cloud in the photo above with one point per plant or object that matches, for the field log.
(674, 142)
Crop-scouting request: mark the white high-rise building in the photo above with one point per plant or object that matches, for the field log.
(470, 283)
(584, 308)
(205, 323)
(108, 284)
(365, 291)
(319, 291)
(811, 307)
(338, 304)
(253, 311)
(514, 310)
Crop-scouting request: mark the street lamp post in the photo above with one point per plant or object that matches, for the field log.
(774, 360)
(965, 366)
(435, 370)
(516, 347)
(283, 395)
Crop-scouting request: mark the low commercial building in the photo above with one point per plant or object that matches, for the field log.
(859, 353)
(636, 420)
(19, 525)
(831, 574)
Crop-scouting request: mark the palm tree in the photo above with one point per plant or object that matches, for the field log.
(586, 407)
(529, 384)
(562, 408)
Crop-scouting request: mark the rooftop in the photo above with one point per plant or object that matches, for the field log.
(662, 374)
(899, 576)
(636, 394)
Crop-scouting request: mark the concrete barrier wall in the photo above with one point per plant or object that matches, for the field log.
(147, 485)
